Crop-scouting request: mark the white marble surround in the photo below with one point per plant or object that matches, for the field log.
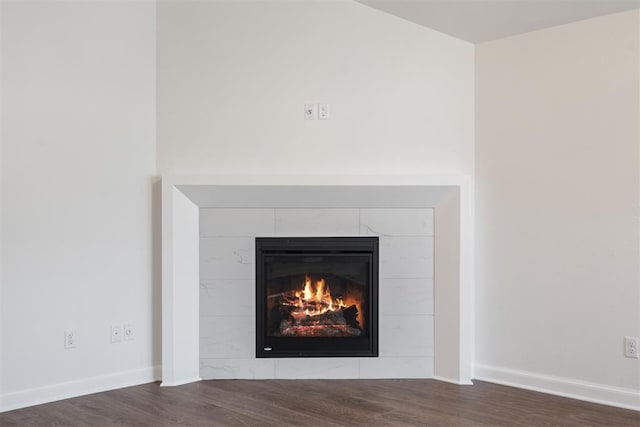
(227, 290)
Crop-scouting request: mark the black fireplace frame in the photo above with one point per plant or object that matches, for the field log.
(270, 347)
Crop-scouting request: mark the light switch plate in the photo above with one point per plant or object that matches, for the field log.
(323, 111)
(309, 111)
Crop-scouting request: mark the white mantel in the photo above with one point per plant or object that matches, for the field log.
(449, 196)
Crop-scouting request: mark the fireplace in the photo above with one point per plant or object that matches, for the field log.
(317, 297)
(209, 268)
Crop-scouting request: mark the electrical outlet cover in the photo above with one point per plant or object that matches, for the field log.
(631, 345)
(116, 333)
(70, 338)
(128, 332)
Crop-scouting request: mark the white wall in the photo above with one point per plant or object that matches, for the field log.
(557, 176)
(227, 291)
(233, 78)
(1, 222)
(78, 153)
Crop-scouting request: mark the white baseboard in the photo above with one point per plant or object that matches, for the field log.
(60, 391)
(560, 386)
(183, 381)
(452, 381)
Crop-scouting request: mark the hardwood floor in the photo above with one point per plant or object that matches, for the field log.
(321, 403)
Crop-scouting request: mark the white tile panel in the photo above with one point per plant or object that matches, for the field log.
(227, 336)
(215, 222)
(225, 297)
(406, 257)
(396, 222)
(406, 296)
(230, 369)
(317, 368)
(405, 336)
(227, 258)
(396, 367)
(317, 222)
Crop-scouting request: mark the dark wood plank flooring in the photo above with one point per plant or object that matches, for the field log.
(321, 403)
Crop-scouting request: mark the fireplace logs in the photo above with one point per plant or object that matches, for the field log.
(314, 312)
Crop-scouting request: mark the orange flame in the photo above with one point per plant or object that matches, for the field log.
(315, 300)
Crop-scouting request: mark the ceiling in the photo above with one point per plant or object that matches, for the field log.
(478, 21)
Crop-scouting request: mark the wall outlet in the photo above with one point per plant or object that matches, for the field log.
(116, 333)
(631, 345)
(70, 338)
(129, 332)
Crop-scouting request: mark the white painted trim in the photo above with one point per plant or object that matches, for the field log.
(180, 287)
(67, 390)
(2, 352)
(180, 382)
(452, 381)
(467, 282)
(320, 180)
(566, 387)
(167, 281)
(174, 283)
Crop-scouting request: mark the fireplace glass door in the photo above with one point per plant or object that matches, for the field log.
(316, 297)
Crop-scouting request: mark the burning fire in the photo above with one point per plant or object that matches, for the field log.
(316, 300)
(312, 311)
